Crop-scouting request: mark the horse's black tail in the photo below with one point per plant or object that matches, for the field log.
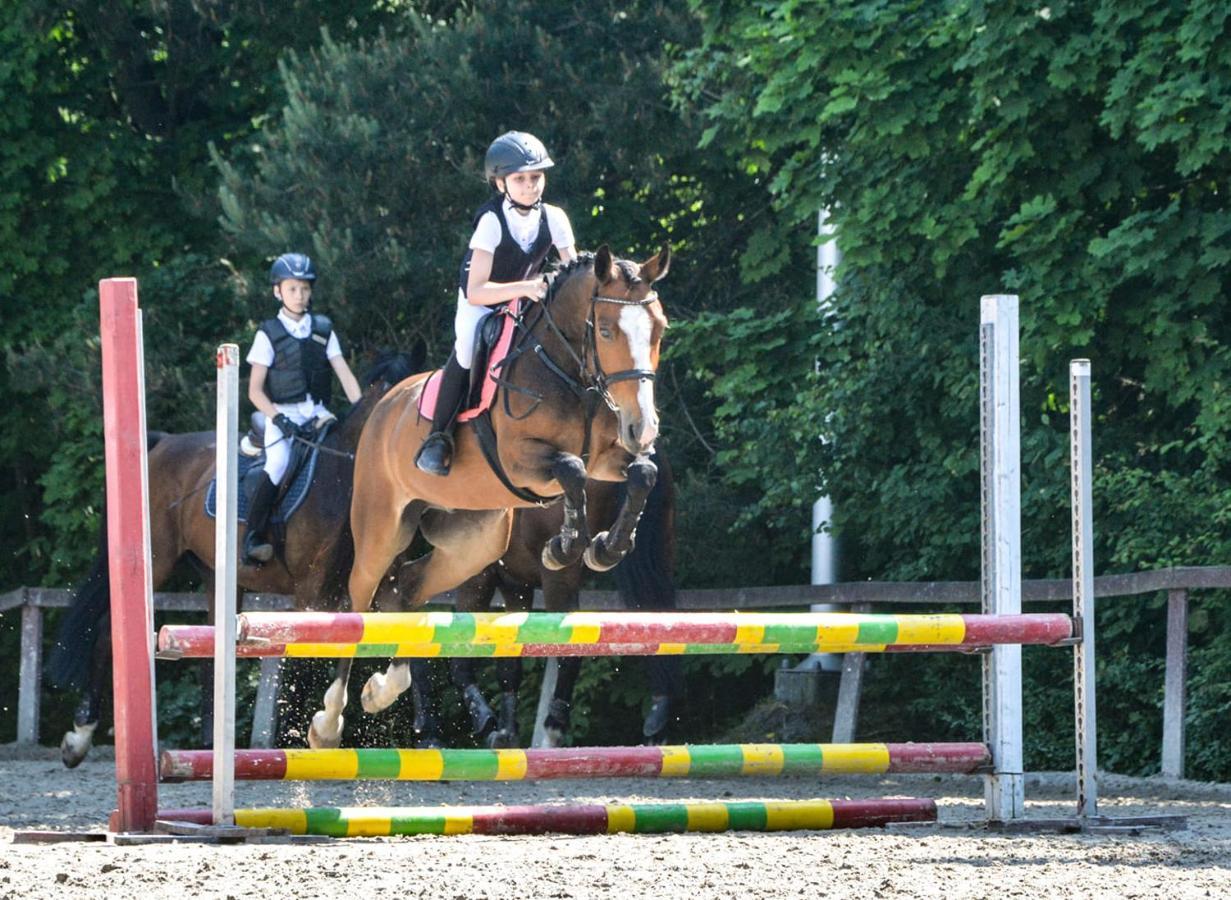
(68, 665)
(646, 577)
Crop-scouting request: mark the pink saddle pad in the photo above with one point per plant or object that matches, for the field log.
(431, 390)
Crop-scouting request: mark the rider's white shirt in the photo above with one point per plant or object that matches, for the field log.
(523, 229)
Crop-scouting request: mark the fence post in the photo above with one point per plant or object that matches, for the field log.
(1177, 675)
(31, 676)
(1000, 436)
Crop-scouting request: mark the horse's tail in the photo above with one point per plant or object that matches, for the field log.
(646, 577)
(68, 664)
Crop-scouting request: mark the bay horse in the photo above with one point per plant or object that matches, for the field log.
(644, 578)
(575, 401)
(312, 568)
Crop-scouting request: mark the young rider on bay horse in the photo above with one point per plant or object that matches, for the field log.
(291, 358)
(513, 233)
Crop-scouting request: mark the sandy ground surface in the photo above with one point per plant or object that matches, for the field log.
(944, 860)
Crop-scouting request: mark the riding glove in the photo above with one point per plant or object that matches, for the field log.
(285, 425)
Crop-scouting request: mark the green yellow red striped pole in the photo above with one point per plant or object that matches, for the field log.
(606, 633)
(640, 818)
(687, 761)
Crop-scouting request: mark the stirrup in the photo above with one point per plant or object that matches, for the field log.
(436, 455)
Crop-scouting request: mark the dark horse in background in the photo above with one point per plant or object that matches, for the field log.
(645, 579)
(315, 553)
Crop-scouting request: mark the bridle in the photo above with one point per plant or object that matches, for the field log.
(591, 380)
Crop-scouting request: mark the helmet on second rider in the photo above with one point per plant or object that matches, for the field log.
(292, 265)
(515, 151)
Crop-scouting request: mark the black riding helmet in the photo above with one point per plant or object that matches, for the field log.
(292, 265)
(515, 151)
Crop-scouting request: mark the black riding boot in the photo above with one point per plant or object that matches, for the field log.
(256, 547)
(436, 454)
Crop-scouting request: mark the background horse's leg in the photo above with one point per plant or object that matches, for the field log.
(609, 547)
(519, 597)
(560, 594)
(383, 528)
(76, 743)
(427, 719)
(566, 548)
(474, 595)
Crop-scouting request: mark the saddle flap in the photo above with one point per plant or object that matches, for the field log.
(494, 337)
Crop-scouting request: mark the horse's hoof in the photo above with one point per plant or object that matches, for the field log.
(70, 752)
(548, 558)
(596, 555)
(429, 743)
(503, 739)
(552, 737)
(482, 719)
(318, 738)
(377, 695)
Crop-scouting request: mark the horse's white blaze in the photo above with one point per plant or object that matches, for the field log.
(638, 327)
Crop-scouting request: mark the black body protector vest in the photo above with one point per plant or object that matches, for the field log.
(300, 365)
(510, 262)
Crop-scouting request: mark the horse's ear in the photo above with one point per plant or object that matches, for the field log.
(656, 267)
(603, 265)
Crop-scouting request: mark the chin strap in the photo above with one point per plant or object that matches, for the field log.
(538, 204)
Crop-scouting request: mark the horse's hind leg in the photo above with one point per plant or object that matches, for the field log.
(383, 529)
(465, 543)
(561, 591)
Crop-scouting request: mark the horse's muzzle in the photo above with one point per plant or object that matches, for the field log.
(638, 433)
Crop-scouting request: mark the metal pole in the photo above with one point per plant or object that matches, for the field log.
(132, 607)
(225, 588)
(1000, 438)
(1082, 475)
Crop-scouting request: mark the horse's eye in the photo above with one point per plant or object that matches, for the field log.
(605, 333)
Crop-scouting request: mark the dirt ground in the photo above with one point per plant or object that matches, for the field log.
(950, 859)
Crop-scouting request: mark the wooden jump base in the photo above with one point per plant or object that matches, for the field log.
(639, 818)
(700, 761)
(430, 634)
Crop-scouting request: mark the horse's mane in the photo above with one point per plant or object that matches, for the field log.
(560, 273)
(388, 368)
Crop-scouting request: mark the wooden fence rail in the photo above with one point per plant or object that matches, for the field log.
(1177, 582)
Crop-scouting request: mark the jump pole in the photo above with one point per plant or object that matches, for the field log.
(132, 603)
(1082, 478)
(1000, 465)
(225, 587)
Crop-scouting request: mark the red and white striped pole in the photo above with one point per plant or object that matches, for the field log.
(128, 530)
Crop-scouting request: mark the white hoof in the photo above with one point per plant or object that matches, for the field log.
(384, 687)
(320, 737)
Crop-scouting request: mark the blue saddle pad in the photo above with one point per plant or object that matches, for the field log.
(290, 501)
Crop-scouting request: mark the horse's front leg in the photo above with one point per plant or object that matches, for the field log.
(609, 547)
(566, 548)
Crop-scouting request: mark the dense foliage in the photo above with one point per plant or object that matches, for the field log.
(1073, 154)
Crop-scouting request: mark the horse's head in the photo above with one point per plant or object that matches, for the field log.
(627, 322)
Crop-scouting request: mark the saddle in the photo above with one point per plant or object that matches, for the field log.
(251, 460)
(493, 338)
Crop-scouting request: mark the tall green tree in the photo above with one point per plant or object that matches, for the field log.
(109, 109)
(1076, 154)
